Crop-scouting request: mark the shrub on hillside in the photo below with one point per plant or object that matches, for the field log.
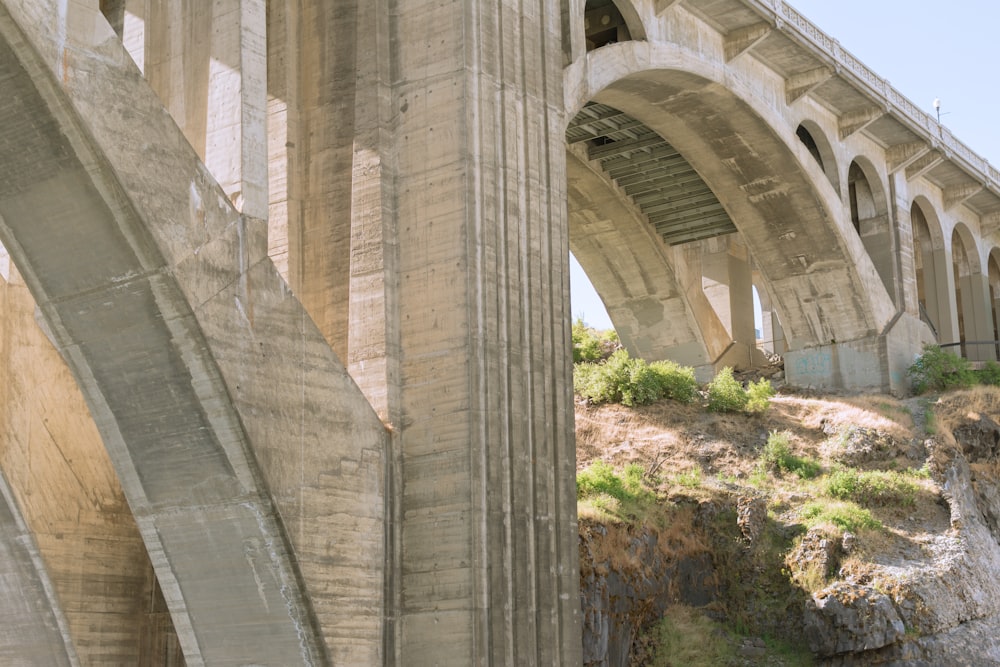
(874, 487)
(759, 395)
(624, 495)
(937, 370)
(590, 344)
(725, 393)
(621, 379)
(845, 515)
(777, 457)
(989, 374)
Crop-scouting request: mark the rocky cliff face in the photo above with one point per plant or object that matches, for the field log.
(628, 579)
(943, 607)
(927, 595)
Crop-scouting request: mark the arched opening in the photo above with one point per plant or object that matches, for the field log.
(812, 137)
(964, 308)
(807, 139)
(603, 24)
(870, 218)
(993, 274)
(927, 273)
(770, 335)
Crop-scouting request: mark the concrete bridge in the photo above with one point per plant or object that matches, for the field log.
(286, 311)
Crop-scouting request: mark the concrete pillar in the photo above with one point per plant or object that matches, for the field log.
(485, 458)
(741, 296)
(134, 31)
(772, 335)
(716, 281)
(905, 251)
(941, 294)
(315, 51)
(207, 62)
(977, 310)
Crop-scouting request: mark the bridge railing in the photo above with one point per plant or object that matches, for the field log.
(787, 18)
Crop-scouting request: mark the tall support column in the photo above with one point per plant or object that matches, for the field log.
(905, 250)
(741, 295)
(976, 304)
(942, 285)
(487, 541)
(208, 63)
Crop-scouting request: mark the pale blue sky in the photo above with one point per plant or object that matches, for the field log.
(926, 50)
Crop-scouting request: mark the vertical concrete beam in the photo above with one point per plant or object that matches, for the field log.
(134, 31)
(716, 280)
(943, 287)
(741, 295)
(488, 534)
(905, 251)
(313, 50)
(208, 63)
(978, 315)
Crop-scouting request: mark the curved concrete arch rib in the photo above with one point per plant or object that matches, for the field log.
(636, 274)
(34, 631)
(213, 391)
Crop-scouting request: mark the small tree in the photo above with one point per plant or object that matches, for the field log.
(937, 370)
(725, 393)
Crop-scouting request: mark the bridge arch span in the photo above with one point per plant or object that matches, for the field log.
(779, 198)
(868, 206)
(815, 139)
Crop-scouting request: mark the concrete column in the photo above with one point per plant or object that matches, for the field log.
(715, 279)
(772, 334)
(313, 47)
(208, 63)
(486, 461)
(741, 295)
(134, 31)
(904, 255)
(941, 294)
(978, 316)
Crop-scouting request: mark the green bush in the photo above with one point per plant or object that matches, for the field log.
(621, 379)
(759, 395)
(677, 382)
(777, 456)
(725, 393)
(989, 374)
(937, 370)
(845, 515)
(590, 344)
(875, 487)
(625, 495)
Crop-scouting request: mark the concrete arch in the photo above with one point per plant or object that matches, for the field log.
(827, 158)
(933, 275)
(869, 211)
(972, 300)
(758, 172)
(993, 277)
(647, 285)
(154, 290)
(633, 18)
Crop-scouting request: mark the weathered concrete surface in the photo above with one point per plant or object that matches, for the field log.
(69, 497)
(33, 629)
(487, 464)
(164, 355)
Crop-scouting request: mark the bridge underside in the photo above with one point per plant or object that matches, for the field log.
(286, 339)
